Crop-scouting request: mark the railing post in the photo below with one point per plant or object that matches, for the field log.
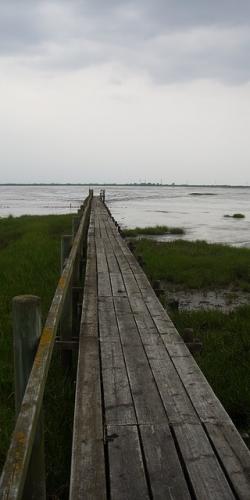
(26, 310)
(69, 320)
(66, 329)
(75, 224)
(66, 318)
(66, 323)
(66, 241)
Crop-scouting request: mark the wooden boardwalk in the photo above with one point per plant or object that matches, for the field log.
(147, 424)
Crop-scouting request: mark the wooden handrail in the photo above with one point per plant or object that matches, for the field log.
(17, 461)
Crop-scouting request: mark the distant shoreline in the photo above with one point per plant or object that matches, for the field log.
(132, 184)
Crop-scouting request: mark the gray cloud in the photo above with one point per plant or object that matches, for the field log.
(169, 40)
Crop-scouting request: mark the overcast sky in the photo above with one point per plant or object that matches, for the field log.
(125, 91)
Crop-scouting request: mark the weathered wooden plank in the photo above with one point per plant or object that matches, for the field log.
(117, 284)
(128, 329)
(119, 408)
(102, 265)
(111, 355)
(234, 455)
(133, 264)
(166, 476)
(108, 329)
(176, 349)
(130, 284)
(138, 305)
(142, 281)
(88, 464)
(112, 262)
(165, 327)
(207, 405)
(90, 270)
(153, 304)
(149, 408)
(104, 286)
(117, 397)
(110, 255)
(171, 336)
(121, 259)
(89, 308)
(148, 404)
(127, 475)
(97, 232)
(150, 338)
(123, 264)
(175, 399)
(205, 474)
(122, 305)
(145, 324)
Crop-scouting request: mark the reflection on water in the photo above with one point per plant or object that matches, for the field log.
(194, 209)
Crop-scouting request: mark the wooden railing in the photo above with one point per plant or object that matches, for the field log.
(23, 474)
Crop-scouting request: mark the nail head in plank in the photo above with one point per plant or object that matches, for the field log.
(117, 284)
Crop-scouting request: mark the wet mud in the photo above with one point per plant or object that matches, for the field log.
(224, 300)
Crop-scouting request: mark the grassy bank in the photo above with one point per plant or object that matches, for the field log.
(152, 231)
(225, 359)
(196, 264)
(29, 263)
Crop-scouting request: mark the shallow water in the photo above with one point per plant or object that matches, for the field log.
(202, 216)
(222, 299)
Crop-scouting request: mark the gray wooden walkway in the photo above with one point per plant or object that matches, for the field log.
(147, 423)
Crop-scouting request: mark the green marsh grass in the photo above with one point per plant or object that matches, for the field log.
(195, 264)
(30, 263)
(225, 359)
(152, 231)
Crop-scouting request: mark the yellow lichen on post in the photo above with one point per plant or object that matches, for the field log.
(62, 282)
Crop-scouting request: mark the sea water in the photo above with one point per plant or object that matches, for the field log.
(199, 211)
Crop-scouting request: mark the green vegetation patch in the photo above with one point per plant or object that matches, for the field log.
(225, 359)
(195, 264)
(9, 231)
(30, 264)
(152, 231)
(202, 194)
(235, 216)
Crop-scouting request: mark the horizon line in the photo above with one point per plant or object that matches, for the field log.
(142, 184)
